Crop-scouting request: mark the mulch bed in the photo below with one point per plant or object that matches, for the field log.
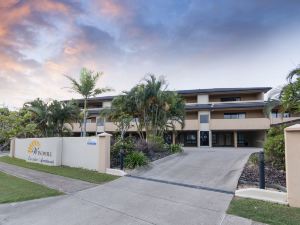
(273, 176)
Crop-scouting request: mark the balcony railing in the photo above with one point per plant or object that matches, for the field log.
(90, 127)
(281, 120)
(240, 124)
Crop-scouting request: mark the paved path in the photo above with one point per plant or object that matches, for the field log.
(63, 184)
(190, 189)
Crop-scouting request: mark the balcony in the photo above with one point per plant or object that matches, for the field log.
(240, 124)
(189, 125)
(282, 120)
(90, 127)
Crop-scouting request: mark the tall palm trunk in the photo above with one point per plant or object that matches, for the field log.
(84, 117)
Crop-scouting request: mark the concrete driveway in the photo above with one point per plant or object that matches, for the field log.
(193, 188)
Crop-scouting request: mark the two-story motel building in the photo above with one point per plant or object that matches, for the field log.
(218, 117)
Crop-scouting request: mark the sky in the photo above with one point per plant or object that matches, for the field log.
(192, 43)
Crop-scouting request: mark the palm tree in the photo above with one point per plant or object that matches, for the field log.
(153, 108)
(40, 114)
(86, 86)
(293, 73)
(286, 98)
(62, 114)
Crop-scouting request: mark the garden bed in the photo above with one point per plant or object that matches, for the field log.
(275, 179)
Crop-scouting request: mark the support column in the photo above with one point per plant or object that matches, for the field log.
(210, 138)
(173, 138)
(104, 152)
(12, 147)
(198, 138)
(235, 139)
(292, 159)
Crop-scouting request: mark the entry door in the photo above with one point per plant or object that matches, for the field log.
(204, 138)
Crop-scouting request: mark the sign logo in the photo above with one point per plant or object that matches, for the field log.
(37, 154)
(34, 147)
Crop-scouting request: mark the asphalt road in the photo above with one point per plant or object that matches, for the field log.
(190, 189)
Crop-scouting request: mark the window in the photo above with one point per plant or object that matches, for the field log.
(230, 99)
(276, 114)
(100, 122)
(234, 115)
(88, 120)
(204, 118)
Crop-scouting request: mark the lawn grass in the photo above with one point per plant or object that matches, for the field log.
(14, 189)
(265, 212)
(75, 173)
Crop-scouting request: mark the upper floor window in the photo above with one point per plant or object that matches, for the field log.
(100, 122)
(235, 115)
(230, 99)
(276, 114)
(204, 118)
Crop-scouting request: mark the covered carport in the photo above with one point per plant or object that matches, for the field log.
(250, 138)
(238, 138)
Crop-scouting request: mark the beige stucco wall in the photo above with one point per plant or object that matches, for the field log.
(91, 153)
(258, 113)
(240, 124)
(90, 127)
(244, 97)
(292, 160)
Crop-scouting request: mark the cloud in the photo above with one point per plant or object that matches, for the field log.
(186, 40)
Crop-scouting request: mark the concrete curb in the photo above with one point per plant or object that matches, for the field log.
(264, 195)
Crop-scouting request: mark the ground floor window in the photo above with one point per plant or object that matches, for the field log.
(187, 138)
(222, 139)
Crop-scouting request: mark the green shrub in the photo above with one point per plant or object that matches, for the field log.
(254, 159)
(174, 148)
(155, 143)
(135, 159)
(274, 147)
(127, 144)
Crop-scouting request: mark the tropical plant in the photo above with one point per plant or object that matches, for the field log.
(15, 124)
(40, 113)
(126, 145)
(293, 73)
(274, 147)
(135, 159)
(153, 108)
(61, 117)
(53, 118)
(117, 114)
(86, 86)
(175, 148)
(286, 98)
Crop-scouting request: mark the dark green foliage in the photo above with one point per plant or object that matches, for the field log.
(135, 159)
(274, 147)
(126, 144)
(53, 118)
(175, 148)
(151, 106)
(155, 143)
